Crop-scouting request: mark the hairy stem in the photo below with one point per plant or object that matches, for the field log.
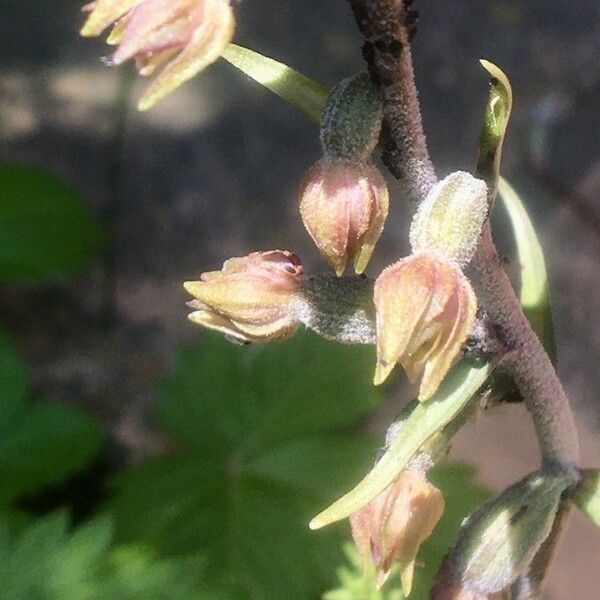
(388, 27)
(526, 361)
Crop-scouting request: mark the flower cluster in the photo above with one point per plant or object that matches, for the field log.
(184, 35)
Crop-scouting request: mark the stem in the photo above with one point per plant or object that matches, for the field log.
(526, 361)
(388, 27)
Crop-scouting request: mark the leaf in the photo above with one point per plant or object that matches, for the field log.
(493, 129)
(265, 436)
(426, 419)
(48, 443)
(534, 294)
(13, 383)
(304, 94)
(461, 496)
(587, 496)
(45, 228)
(48, 561)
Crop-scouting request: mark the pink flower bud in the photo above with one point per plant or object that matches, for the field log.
(250, 298)
(446, 588)
(188, 34)
(425, 309)
(394, 525)
(344, 207)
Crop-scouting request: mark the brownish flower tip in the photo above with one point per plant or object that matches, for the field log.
(250, 298)
(425, 309)
(344, 207)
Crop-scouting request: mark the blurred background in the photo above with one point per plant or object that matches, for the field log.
(109, 210)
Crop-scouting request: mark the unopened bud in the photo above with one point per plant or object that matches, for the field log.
(497, 543)
(251, 298)
(392, 527)
(344, 207)
(425, 309)
(450, 219)
(351, 120)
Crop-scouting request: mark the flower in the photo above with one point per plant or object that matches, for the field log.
(250, 298)
(189, 35)
(447, 589)
(425, 309)
(394, 525)
(344, 207)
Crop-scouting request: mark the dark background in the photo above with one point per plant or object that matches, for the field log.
(213, 172)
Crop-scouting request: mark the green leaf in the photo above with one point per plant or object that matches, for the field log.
(304, 94)
(493, 129)
(47, 561)
(461, 496)
(587, 496)
(424, 421)
(45, 228)
(48, 443)
(534, 294)
(265, 436)
(13, 383)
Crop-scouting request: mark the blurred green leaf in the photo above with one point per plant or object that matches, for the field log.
(427, 418)
(47, 561)
(45, 228)
(266, 437)
(13, 383)
(41, 443)
(304, 94)
(587, 496)
(461, 496)
(48, 443)
(534, 295)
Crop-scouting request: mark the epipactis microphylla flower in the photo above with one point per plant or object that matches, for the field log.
(425, 309)
(393, 526)
(189, 35)
(448, 589)
(344, 207)
(250, 298)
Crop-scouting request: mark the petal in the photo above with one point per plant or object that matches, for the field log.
(207, 44)
(106, 12)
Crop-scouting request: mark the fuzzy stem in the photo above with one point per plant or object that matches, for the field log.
(388, 27)
(526, 361)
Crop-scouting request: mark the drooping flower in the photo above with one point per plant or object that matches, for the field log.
(425, 309)
(184, 35)
(392, 527)
(344, 207)
(251, 298)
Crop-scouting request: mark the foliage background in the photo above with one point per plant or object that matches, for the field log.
(213, 172)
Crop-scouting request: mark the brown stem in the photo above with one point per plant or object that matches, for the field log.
(388, 27)
(526, 362)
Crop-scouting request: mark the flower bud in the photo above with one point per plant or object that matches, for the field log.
(394, 525)
(351, 120)
(251, 298)
(189, 35)
(450, 219)
(344, 207)
(497, 543)
(448, 589)
(425, 309)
